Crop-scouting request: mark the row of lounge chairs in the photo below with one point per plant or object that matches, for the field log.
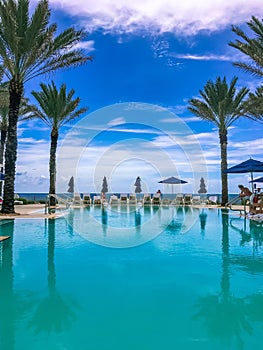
(131, 199)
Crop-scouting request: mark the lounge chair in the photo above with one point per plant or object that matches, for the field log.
(179, 199)
(114, 200)
(97, 200)
(147, 199)
(166, 201)
(196, 200)
(77, 201)
(156, 200)
(123, 199)
(188, 199)
(87, 199)
(212, 200)
(132, 199)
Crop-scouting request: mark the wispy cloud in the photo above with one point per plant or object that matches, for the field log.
(210, 57)
(86, 45)
(159, 16)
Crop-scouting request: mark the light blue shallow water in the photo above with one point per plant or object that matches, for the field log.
(197, 285)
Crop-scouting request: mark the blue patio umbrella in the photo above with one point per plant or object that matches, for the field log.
(249, 166)
(172, 181)
(259, 179)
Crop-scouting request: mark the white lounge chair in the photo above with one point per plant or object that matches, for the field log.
(188, 199)
(132, 199)
(114, 200)
(123, 199)
(77, 201)
(179, 199)
(147, 199)
(166, 201)
(156, 199)
(212, 200)
(97, 200)
(87, 199)
(196, 200)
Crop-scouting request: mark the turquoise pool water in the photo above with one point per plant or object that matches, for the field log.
(197, 285)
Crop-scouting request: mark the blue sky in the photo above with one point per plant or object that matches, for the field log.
(150, 58)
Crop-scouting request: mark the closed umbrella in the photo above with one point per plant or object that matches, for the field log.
(71, 185)
(104, 186)
(137, 184)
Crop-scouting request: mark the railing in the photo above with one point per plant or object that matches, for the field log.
(234, 201)
(65, 201)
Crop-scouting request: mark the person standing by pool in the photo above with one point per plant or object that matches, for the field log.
(159, 193)
(245, 193)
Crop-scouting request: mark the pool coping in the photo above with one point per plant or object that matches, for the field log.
(37, 211)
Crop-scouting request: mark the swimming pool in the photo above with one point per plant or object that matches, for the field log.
(196, 285)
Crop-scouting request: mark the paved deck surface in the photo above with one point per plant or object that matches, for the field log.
(38, 211)
(28, 211)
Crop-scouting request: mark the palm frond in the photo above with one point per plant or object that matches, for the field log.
(56, 107)
(252, 47)
(220, 104)
(29, 46)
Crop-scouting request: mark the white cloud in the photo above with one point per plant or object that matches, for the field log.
(116, 121)
(86, 45)
(159, 16)
(210, 57)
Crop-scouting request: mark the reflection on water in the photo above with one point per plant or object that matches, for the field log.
(228, 318)
(53, 313)
(249, 230)
(7, 297)
(118, 226)
(178, 291)
(203, 218)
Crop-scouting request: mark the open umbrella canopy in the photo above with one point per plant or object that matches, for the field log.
(259, 179)
(172, 181)
(248, 166)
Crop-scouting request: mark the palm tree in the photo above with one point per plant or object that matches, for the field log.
(251, 47)
(4, 98)
(221, 105)
(56, 108)
(29, 48)
(254, 105)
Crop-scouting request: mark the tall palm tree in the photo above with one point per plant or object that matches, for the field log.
(4, 109)
(29, 48)
(250, 46)
(56, 108)
(254, 105)
(221, 105)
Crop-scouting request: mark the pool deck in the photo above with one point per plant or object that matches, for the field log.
(37, 211)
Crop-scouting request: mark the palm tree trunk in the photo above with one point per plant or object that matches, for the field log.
(2, 149)
(15, 91)
(223, 145)
(52, 166)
